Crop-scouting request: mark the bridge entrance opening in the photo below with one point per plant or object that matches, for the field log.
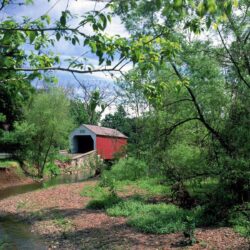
(84, 143)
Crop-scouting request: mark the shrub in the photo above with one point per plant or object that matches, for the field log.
(63, 158)
(52, 169)
(125, 169)
(202, 189)
(240, 219)
(181, 161)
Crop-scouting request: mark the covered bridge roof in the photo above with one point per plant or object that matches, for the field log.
(105, 131)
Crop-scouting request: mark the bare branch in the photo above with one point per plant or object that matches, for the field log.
(233, 61)
(82, 86)
(181, 100)
(169, 130)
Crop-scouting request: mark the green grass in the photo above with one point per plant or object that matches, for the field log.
(159, 218)
(5, 244)
(22, 205)
(63, 223)
(102, 197)
(150, 186)
(95, 192)
(153, 187)
(104, 202)
(240, 219)
(8, 164)
(150, 218)
(154, 218)
(126, 208)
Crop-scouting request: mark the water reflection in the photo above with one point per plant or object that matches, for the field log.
(15, 190)
(15, 236)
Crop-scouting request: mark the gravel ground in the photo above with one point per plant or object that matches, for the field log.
(58, 215)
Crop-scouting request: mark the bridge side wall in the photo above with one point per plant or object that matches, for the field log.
(107, 147)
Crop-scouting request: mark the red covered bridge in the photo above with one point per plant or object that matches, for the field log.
(106, 141)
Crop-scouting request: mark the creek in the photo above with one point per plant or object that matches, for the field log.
(14, 235)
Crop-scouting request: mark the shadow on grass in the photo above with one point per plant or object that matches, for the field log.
(99, 231)
(103, 233)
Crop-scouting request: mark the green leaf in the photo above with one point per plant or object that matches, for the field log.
(158, 3)
(86, 42)
(58, 36)
(32, 36)
(27, 2)
(104, 21)
(47, 18)
(178, 3)
(93, 47)
(211, 6)
(201, 9)
(208, 22)
(63, 19)
(108, 62)
(109, 18)
(57, 59)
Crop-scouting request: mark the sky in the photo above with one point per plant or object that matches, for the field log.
(64, 48)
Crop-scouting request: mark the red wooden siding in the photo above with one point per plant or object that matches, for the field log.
(107, 146)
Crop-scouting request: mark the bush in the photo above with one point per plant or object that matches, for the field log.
(52, 169)
(240, 219)
(125, 169)
(202, 189)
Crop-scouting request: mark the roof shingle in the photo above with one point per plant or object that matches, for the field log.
(105, 131)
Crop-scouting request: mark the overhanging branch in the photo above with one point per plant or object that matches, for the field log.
(202, 118)
(71, 70)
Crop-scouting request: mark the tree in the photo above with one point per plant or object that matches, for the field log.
(45, 129)
(116, 120)
(14, 95)
(195, 87)
(89, 109)
(41, 35)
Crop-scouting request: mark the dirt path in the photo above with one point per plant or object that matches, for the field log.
(59, 216)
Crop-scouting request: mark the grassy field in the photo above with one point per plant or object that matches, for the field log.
(141, 202)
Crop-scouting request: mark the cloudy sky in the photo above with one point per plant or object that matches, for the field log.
(63, 48)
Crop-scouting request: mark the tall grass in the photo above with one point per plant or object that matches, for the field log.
(154, 218)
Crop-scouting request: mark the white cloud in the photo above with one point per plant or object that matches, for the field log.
(66, 49)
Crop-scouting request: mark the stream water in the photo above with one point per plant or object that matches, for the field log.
(14, 235)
